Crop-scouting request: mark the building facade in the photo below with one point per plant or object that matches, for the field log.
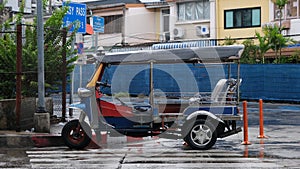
(130, 22)
(289, 18)
(127, 22)
(192, 20)
(241, 19)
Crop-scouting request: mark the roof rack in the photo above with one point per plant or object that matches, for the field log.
(169, 45)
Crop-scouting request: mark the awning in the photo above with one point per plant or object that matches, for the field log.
(89, 29)
(157, 5)
(199, 43)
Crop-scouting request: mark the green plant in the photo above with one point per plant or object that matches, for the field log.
(250, 54)
(52, 56)
(276, 40)
(229, 41)
(263, 46)
(295, 58)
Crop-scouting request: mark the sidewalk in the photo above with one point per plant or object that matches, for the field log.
(13, 139)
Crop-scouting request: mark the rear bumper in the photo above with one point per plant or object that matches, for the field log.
(230, 117)
(231, 132)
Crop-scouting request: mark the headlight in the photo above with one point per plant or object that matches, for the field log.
(83, 92)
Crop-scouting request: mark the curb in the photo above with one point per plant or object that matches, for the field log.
(30, 140)
(16, 141)
(49, 140)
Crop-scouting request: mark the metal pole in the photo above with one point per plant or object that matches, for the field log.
(151, 96)
(40, 43)
(238, 81)
(96, 42)
(71, 91)
(261, 120)
(80, 75)
(18, 78)
(280, 24)
(123, 26)
(64, 74)
(245, 119)
(41, 117)
(50, 7)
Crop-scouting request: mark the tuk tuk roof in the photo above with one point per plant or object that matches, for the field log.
(210, 54)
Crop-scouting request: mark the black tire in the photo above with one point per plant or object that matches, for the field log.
(202, 135)
(76, 139)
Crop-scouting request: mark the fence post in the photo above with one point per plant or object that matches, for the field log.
(18, 77)
(261, 120)
(64, 74)
(245, 119)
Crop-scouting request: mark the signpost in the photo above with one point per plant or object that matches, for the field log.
(98, 27)
(75, 16)
(98, 24)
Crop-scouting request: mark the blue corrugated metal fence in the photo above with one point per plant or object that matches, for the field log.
(279, 82)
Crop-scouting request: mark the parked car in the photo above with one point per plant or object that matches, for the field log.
(157, 93)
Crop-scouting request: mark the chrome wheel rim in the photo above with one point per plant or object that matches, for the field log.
(201, 134)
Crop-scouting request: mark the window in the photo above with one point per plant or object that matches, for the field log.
(190, 11)
(289, 11)
(166, 19)
(242, 18)
(292, 9)
(113, 24)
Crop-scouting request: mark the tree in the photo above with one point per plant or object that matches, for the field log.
(52, 56)
(263, 46)
(272, 39)
(250, 52)
(280, 5)
(276, 40)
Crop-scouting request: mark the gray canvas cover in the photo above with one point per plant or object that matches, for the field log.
(189, 55)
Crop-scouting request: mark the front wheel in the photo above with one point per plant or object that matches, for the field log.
(202, 135)
(76, 135)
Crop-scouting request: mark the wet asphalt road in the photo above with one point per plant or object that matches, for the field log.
(274, 114)
(280, 150)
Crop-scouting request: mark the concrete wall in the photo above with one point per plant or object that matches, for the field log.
(295, 24)
(28, 108)
(140, 25)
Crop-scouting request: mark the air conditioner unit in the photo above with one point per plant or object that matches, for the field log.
(178, 32)
(202, 30)
(268, 24)
(164, 37)
(278, 14)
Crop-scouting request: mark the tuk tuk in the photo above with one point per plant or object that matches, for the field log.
(158, 92)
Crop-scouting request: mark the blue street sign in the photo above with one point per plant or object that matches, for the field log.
(98, 24)
(79, 48)
(75, 16)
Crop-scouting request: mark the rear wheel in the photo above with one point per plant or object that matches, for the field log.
(76, 135)
(202, 135)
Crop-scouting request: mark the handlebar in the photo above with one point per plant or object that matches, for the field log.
(104, 84)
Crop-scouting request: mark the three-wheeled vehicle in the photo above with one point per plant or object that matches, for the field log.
(158, 92)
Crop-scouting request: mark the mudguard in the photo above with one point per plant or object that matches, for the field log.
(191, 118)
(88, 106)
(203, 113)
